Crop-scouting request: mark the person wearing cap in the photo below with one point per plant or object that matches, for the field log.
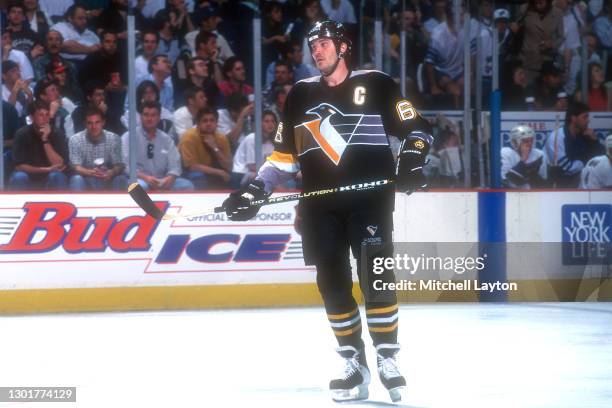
(597, 174)
(57, 70)
(15, 90)
(548, 91)
(209, 20)
(53, 47)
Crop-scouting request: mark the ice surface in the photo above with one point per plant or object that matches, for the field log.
(454, 355)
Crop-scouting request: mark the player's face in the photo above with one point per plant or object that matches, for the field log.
(207, 124)
(149, 118)
(324, 55)
(94, 125)
(526, 143)
(268, 125)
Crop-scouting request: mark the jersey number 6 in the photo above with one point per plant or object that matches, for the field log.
(405, 110)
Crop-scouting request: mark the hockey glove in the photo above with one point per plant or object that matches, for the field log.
(238, 205)
(410, 162)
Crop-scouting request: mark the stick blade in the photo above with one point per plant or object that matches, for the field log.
(140, 196)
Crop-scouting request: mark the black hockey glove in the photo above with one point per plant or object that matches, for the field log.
(410, 162)
(238, 205)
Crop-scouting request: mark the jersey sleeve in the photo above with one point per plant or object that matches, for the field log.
(400, 118)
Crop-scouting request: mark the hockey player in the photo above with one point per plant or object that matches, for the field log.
(523, 166)
(597, 174)
(334, 129)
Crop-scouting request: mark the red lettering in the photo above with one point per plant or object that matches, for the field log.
(96, 241)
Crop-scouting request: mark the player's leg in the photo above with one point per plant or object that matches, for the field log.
(372, 237)
(325, 245)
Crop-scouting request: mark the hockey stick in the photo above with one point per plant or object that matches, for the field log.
(144, 201)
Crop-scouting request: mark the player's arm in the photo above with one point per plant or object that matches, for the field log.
(402, 120)
(279, 167)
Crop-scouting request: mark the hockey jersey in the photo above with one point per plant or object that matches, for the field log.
(338, 136)
(597, 174)
(518, 174)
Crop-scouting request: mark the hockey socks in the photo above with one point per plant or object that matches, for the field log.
(347, 327)
(382, 323)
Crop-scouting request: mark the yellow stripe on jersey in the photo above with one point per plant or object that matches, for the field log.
(381, 310)
(284, 161)
(343, 315)
(347, 332)
(383, 329)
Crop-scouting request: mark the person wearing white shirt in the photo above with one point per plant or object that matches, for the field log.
(55, 8)
(150, 42)
(597, 174)
(19, 57)
(14, 89)
(244, 158)
(341, 11)
(78, 40)
(522, 165)
(184, 116)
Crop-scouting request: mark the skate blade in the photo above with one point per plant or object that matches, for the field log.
(396, 393)
(354, 394)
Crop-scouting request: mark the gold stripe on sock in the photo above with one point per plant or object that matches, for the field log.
(348, 332)
(343, 315)
(382, 310)
(384, 329)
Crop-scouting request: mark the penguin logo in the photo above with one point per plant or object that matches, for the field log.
(326, 134)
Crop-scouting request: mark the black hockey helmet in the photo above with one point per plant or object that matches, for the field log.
(333, 30)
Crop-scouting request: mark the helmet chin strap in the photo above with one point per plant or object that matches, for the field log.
(340, 55)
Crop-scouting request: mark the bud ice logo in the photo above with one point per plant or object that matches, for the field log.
(586, 233)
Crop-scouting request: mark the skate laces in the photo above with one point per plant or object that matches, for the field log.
(351, 364)
(388, 367)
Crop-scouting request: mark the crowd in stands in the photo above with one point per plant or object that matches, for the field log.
(65, 72)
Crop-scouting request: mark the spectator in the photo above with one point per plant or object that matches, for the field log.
(568, 148)
(244, 158)
(168, 39)
(514, 88)
(541, 27)
(60, 108)
(599, 97)
(53, 46)
(293, 54)
(95, 156)
(341, 11)
(106, 65)
(24, 39)
(209, 23)
(207, 49)
(597, 174)
(55, 9)
(234, 117)
(15, 90)
(56, 70)
(198, 77)
(485, 57)
(148, 91)
(522, 165)
(206, 153)
(548, 91)
(184, 117)
(150, 42)
(416, 44)
(439, 15)
(573, 22)
(114, 18)
(444, 61)
(235, 75)
(160, 72)
(312, 12)
(78, 40)
(19, 57)
(273, 32)
(39, 20)
(11, 122)
(280, 96)
(177, 15)
(39, 154)
(603, 28)
(158, 163)
(95, 95)
(283, 75)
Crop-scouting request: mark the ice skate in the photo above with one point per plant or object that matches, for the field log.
(388, 371)
(352, 384)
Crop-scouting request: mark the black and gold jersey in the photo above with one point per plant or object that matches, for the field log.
(338, 135)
